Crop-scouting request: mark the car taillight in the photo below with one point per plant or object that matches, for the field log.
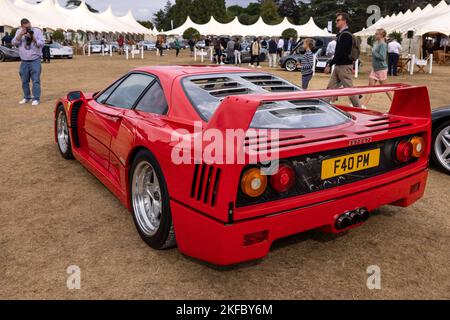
(253, 183)
(284, 179)
(418, 146)
(404, 151)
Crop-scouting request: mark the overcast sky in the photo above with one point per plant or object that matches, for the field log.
(142, 9)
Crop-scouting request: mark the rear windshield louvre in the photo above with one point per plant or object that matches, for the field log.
(206, 93)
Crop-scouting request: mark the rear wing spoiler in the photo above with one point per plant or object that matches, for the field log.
(236, 112)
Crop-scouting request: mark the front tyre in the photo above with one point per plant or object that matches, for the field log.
(150, 202)
(62, 133)
(440, 152)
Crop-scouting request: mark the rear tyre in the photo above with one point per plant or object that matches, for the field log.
(62, 133)
(150, 202)
(290, 65)
(2, 56)
(440, 153)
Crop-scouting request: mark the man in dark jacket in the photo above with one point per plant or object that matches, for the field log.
(342, 60)
(273, 53)
(6, 40)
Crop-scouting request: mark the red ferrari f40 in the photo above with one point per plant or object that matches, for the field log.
(222, 161)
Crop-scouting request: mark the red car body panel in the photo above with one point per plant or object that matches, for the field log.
(109, 138)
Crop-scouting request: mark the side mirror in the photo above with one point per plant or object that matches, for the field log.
(75, 95)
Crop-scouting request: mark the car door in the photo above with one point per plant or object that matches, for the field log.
(104, 116)
(150, 108)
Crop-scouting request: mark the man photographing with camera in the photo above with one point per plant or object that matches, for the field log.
(30, 42)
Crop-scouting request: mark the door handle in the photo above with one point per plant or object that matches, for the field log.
(112, 118)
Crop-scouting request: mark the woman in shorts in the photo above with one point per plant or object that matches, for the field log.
(379, 73)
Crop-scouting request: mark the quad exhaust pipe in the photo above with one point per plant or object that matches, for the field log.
(351, 218)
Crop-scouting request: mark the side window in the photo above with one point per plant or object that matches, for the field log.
(102, 98)
(153, 100)
(129, 90)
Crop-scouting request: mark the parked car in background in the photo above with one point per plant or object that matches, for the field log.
(9, 54)
(115, 46)
(440, 149)
(200, 44)
(291, 62)
(148, 45)
(96, 47)
(59, 51)
(245, 54)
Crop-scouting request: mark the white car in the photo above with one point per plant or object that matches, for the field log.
(96, 47)
(148, 45)
(59, 51)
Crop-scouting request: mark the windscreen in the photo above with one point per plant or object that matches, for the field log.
(207, 92)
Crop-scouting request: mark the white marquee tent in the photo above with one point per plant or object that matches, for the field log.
(49, 14)
(259, 28)
(422, 21)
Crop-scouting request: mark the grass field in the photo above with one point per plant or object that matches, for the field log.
(54, 213)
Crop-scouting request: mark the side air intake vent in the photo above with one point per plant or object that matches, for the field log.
(205, 183)
(74, 122)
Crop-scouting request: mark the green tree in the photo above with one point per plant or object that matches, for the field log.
(396, 35)
(158, 19)
(269, 12)
(182, 9)
(289, 33)
(235, 11)
(290, 9)
(247, 19)
(148, 24)
(58, 35)
(191, 33)
(253, 9)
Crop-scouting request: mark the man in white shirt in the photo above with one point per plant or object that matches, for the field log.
(280, 47)
(331, 48)
(394, 50)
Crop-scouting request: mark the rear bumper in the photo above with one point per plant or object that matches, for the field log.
(202, 237)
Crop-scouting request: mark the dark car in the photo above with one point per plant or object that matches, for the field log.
(440, 149)
(245, 54)
(291, 62)
(9, 54)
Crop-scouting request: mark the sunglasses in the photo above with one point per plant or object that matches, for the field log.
(337, 20)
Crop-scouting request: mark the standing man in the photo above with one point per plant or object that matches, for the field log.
(230, 51)
(331, 48)
(237, 52)
(191, 44)
(46, 49)
(394, 48)
(280, 47)
(273, 53)
(6, 40)
(121, 43)
(177, 47)
(255, 51)
(218, 50)
(343, 58)
(30, 42)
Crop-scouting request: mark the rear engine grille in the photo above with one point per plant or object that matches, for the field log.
(263, 143)
(382, 124)
(205, 184)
